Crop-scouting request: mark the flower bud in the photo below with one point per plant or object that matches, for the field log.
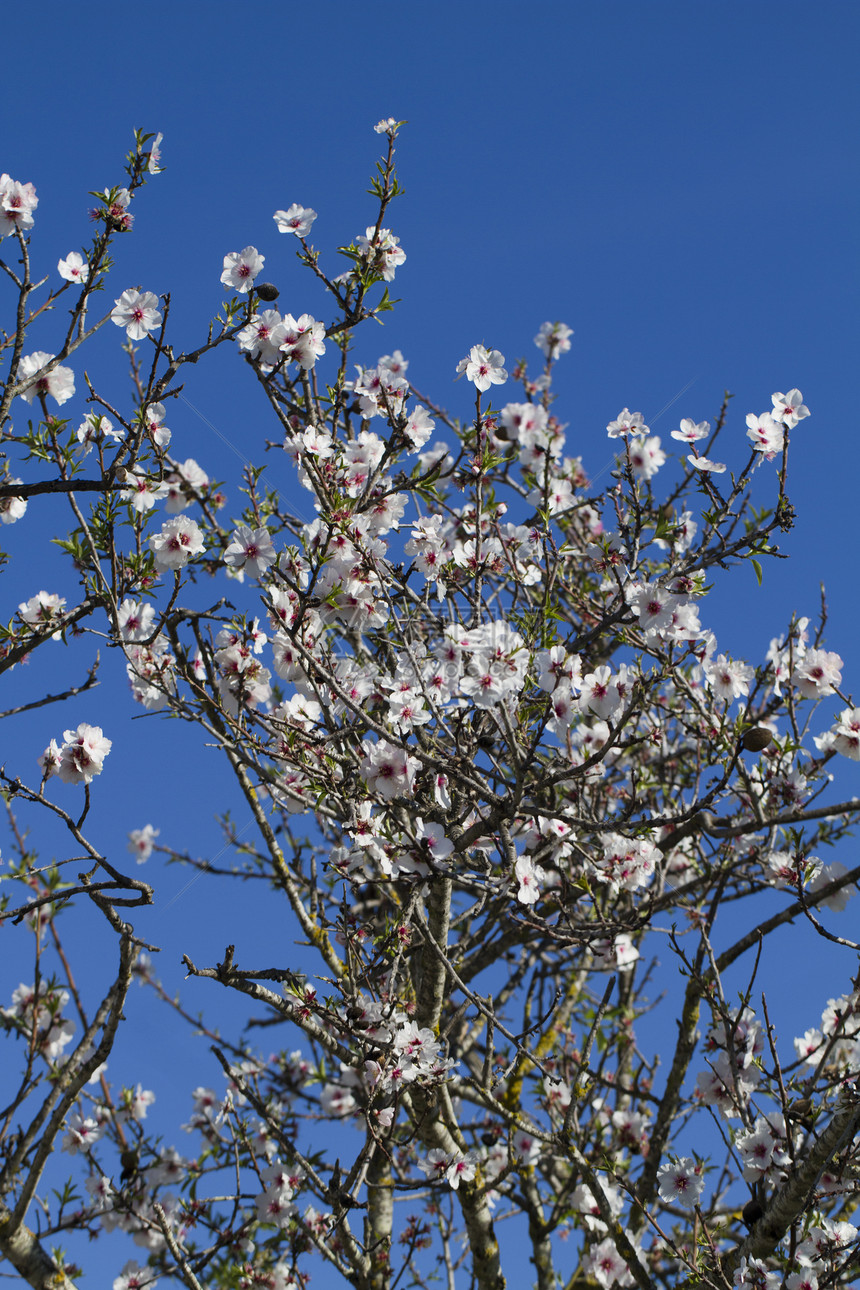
(756, 738)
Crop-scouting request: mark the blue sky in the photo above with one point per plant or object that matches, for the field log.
(677, 182)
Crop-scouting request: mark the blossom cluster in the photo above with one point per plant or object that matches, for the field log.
(274, 339)
(732, 1049)
(17, 203)
(37, 1013)
(79, 758)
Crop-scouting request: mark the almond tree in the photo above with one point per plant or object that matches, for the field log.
(497, 766)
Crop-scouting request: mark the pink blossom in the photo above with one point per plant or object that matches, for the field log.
(134, 1277)
(153, 165)
(818, 673)
(553, 339)
(483, 367)
(241, 268)
(95, 428)
(184, 484)
(336, 1101)
(646, 457)
(141, 842)
(82, 1132)
(626, 424)
(555, 665)
(250, 550)
(262, 337)
(12, 508)
(115, 212)
(59, 383)
(529, 876)
(152, 418)
(41, 611)
(381, 250)
(17, 203)
(802, 1281)
(829, 873)
(178, 541)
(49, 760)
(706, 465)
(419, 427)
(729, 679)
(654, 605)
(680, 1182)
(599, 694)
(627, 863)
(143, 491)
(136, 311)
(303, 339)
(82, 755)
(41, 1010)
(387, 770)
(606, 1265)
(456, 1168)
(135, 620)
(789, 408)
(297, 220)
(766, 435)
(846, 734)
(74, 268)
(690, 432)
(616, 955)
(752, 1274)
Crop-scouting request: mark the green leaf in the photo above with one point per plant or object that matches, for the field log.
(757, 567)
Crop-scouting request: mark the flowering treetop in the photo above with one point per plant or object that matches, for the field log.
(526, 768)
